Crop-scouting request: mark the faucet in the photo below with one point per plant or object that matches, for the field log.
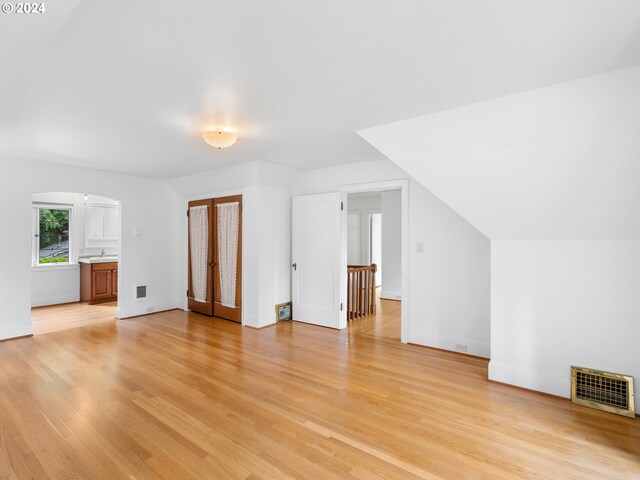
(102, 253)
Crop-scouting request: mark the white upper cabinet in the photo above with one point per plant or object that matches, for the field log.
(101, 224)
(112, 224)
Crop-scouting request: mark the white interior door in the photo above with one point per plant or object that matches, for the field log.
(319, 251)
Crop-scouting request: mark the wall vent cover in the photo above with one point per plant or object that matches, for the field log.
(610, 392)
(141, 292)
(283, 312)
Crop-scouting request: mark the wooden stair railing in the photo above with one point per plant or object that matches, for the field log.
(361, 290)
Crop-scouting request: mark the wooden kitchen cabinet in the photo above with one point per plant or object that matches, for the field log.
(98, 282)
(114, 282)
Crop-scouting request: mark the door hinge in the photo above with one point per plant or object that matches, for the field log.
(341, 206)
(341, 307)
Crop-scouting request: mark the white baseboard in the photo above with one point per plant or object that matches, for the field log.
(530, 379)
(258, 321)
(249, 320)
(389, 295)
(266, 321)
(55, 300)
(448, 343)
(13, 331)
(143, 308)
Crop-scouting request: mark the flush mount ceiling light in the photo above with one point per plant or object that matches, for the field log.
(219, 138)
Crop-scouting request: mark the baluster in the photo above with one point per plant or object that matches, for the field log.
(351, 296)
(368, 292)
(363, 275)
(357, 312)
(361, 290)
(359, 294)
(348, 297)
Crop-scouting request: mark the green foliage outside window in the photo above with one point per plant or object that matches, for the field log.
(54, 228)
(55, 260)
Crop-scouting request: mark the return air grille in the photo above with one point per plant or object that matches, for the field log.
(606, 391)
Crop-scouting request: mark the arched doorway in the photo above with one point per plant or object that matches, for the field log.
(75, 261)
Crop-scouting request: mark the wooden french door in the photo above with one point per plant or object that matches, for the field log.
(220, 310)
(211, 302)
(196, 265)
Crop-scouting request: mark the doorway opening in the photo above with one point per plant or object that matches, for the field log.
(327, 290)
(75, 261)
(374, 263)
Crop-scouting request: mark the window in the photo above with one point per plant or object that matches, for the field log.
(51, 237)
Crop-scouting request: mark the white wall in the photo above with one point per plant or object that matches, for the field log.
(559, 163)
(54, 284)
(274, 268)
(449, 284)
(266, 236)
(149, 259)
(392, 244)
(557, 303)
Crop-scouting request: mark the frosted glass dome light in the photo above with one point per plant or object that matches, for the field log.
(219, 138)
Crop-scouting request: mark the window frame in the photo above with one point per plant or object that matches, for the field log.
(35, 234)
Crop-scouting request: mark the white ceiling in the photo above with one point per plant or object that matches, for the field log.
(557, 162)
(127, 86)
(24, 38)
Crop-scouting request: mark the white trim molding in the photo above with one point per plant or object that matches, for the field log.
(442, 342)
(51, 267)
(530, 379)
(386, 294)
(35, 231)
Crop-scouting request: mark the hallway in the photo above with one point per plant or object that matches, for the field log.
(385, 323)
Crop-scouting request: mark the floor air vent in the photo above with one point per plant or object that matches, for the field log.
(610, 392)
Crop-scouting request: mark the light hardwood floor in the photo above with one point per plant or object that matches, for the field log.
(384, 324)
(71, 315)
(182, 396)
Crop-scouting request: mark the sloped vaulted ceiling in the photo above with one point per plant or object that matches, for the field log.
(555, 162)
